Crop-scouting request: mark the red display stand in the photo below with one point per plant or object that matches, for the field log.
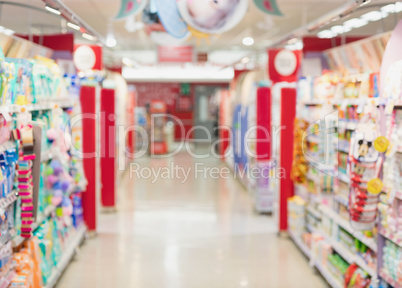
(224, 134)
(88, 105)
(108, 148)
(158, 124)
(263, 146)
(288, 115)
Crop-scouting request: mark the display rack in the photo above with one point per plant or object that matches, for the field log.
(67, 255)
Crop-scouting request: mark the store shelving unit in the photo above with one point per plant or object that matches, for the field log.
(6, 281)
(67, 255)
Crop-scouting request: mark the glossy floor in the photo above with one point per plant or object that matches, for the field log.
(202, 233)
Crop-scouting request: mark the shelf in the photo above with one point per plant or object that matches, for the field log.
(44, 105)
(299, 243)
(335, 283)
(7, 201)
(369, 242)
(46, 156)
(313, 212)
(345, 253)
(342, 200)
(67, 255)
(389, 280)
(18, 240)
(344, 178)
(6, 281)
(390, 236)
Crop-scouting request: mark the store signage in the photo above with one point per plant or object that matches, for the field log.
(175, 54)
(88, 57)
(130, 8)
(268, 6)
(283, 65)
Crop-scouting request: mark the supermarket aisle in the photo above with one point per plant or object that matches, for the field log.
(199, 234)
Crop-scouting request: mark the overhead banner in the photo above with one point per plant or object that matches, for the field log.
(213, 17)
(171, 19)
(175, 54)
(268, 6)
(130, 8)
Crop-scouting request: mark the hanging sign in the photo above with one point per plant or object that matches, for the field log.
(211, 16)
(171, 19)
(268, 6)
(88, 57)
(130, 8)
(283, 65)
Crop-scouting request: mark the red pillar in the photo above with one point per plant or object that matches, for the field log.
(108, 148)
(88, 104)
(263, 146)
(288, 114)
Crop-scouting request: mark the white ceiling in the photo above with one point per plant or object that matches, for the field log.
(263, 28)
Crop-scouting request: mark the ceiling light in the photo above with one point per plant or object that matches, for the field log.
(89, 37)
(338, 29)
(372, 16)
(346, 29)
(8, 32)
(292, 41)
(52, 10)
(248, 41)
(325, 34)
(111, 41)
(73, 26)
(2, 29)
(398, 7)
(388, 8)
(355, 23)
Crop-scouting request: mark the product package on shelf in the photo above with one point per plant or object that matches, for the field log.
(41, 181)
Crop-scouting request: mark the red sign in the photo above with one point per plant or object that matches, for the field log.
(88, 57)
(179, 54)
(283, 65)
(166, 92)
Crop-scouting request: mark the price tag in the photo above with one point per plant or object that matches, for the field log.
(375, 186)
(381, 144)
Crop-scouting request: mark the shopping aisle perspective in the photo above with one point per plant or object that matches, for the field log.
(200, 233)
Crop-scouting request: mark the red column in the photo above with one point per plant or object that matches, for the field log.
(288, 114)
(88, 103)
(263, 146)
(108, 148)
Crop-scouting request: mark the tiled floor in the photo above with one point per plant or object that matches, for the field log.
(199, 234)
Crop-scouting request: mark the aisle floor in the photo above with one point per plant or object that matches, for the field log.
(202, 233)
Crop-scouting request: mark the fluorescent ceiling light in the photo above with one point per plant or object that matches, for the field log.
(52, 10)
(73, 26)
(355, 23)
(111, 41)
(372, 16)
(398, 7)
(89, 37)
(346, 29)
(338, 29)
(389, 8)
(248, 41)
(8, 32)
(325, 34)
